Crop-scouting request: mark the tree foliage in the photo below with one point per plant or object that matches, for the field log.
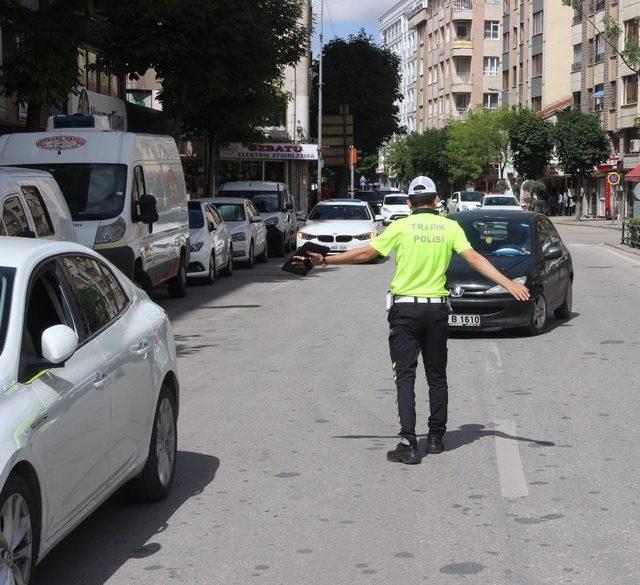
(531, 143)
(221, 62)
(418, 154)
(366, 77)
(476, 141)
(40, 60)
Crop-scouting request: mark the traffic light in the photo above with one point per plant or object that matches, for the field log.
(353, 157)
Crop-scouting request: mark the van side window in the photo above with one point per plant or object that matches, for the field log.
(138, 189)
(14, 216)
(39, 211)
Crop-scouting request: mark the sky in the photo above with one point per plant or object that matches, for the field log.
(343, 17)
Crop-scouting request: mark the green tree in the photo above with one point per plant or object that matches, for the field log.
(581, 144)
(366, 77)
(476, 141)
(40, 60)
(418, 154)
(221, 62)
(367, 167)
(531, 142)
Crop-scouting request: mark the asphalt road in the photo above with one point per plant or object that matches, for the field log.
(288, 408)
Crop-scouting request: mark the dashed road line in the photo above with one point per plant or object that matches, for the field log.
(510, 472)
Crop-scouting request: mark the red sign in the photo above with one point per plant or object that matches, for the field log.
(61, 142)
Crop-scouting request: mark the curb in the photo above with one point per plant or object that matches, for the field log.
(588, 223)
(624, 248)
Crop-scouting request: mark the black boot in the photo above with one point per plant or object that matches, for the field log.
(435, 445)
(404, 454)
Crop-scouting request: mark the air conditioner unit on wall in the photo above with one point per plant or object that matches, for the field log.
(634, 146)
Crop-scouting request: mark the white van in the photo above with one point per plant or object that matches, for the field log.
(125, 191)
(33, 206)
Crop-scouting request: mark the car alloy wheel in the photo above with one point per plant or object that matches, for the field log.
(165, 441)
(16, 541)
(539, 315)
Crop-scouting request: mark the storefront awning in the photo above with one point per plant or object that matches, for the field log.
(633, 175)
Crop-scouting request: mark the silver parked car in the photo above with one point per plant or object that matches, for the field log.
(88, 395)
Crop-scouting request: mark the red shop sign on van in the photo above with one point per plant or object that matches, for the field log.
(61, 142)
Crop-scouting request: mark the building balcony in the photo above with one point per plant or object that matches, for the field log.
(599, 58)
(463, 5)
(576, 67)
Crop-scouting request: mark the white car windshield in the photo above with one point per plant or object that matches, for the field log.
(92, 191)
(395, 200)
(347, 212)
(501, 201)
(265, 201)
(231, 211)
(471, 196)
(6, 285)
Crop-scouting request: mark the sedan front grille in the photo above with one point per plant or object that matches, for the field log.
(327, 239)
(344, 238)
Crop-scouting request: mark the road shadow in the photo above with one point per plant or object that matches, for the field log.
(519, 333)
(120, 530)
(460, 437)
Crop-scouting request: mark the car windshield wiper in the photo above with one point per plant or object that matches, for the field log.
(510, 253)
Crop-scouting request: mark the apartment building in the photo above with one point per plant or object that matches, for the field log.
(459, 43)
(398, 37)
(602, 84)
(536, 53)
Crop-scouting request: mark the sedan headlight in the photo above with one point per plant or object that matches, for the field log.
(500, 290)
(305, 236)
(112, 232)
(239, 237)
(367, 236)
(271, 221)
(197, 246)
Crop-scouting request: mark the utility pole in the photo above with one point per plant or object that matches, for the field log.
(320, 80)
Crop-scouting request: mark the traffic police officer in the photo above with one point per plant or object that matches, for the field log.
(418, 317)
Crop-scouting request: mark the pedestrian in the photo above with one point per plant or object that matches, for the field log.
(561, 203)
(418, 308)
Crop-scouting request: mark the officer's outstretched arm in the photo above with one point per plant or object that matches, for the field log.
(480, 264)
(357, 256)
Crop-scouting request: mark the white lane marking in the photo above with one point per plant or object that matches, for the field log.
(510, 472)
(492, 358)
(619, 255)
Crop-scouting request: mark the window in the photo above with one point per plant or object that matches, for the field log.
(491, 65)
(598, 98)
(521, 33)
(536, 66)
(599, 48)
(14, 217)
(505, 80)
(463, 68)
(515, 37)
(614, 94)
(462, 31)
(630, 89)
(490, 101)
(631, 28)
(119, 297)
(577, 57)
(537, 23)
(463, 101)
(536, 104)
(39, 212)
(505, 42)
(99, 299)
(491, 30)
(514, 76)
(505, 6)
(92, 72)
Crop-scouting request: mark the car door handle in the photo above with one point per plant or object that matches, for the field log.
(141, 349)
(102, 381)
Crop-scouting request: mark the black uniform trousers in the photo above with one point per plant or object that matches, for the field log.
(417, 328)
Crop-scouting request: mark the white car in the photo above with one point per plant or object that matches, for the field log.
(88, 395)
(501, 202)
(464, 201)
(394, 207)
(211, 246)
(340, 224)
(248, 231)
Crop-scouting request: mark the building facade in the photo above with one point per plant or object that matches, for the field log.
(397, 36)
(603, 85)
(536, 53)
(459, 44)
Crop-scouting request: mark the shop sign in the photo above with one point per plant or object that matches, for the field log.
(90, 103)
(60, 142)
(270, 151)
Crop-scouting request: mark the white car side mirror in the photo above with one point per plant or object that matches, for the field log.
(59, 343)
(379, 218)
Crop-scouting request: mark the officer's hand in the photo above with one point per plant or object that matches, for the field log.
(313, 258)
(519, 291)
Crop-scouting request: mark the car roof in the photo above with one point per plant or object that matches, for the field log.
(251, 186)
(18, 252)
(496, 214)
(347, 201)
(396, 194)
(219, 200)
(499, 195)
(23, 172)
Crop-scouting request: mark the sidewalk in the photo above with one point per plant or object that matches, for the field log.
(607, 224)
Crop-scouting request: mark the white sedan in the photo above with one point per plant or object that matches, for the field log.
(394, 207)
(464, 201)
(501, 202)
(248, 230)
(211, 246)
(340, 224)
(88, 395)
